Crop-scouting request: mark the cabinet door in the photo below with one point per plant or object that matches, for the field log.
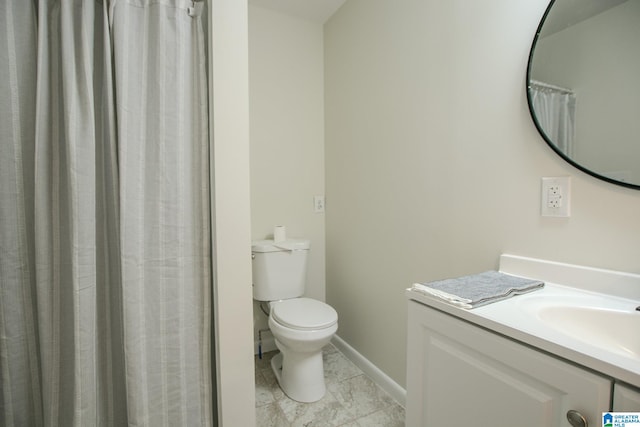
(626, 399)
(459, 374)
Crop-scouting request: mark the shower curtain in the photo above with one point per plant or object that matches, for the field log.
(105, 281)
(556, 113)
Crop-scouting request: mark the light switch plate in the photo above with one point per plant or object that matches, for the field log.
(318, 204)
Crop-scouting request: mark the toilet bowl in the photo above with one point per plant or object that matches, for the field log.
(301, 327)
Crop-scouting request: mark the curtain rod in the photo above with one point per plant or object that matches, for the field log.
(549, 86)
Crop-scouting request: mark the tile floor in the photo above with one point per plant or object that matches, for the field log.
(352, 399)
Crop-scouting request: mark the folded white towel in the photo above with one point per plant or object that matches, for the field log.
(477, 289)
(450, 298)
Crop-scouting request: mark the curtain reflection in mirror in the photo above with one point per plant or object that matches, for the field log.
(556, 113)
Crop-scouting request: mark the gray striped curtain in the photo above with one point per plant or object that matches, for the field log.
(104, 214)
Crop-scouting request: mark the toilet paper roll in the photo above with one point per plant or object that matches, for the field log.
(279, 233)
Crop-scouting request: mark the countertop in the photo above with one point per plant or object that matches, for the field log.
(511, 319)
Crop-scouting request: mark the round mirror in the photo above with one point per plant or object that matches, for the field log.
(582, 86)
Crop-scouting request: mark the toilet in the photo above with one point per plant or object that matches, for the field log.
(301, 326)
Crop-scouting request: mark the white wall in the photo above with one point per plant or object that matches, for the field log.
(287, 134)
(229, 116)
(433, 163)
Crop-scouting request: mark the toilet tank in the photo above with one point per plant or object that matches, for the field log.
(279, 269)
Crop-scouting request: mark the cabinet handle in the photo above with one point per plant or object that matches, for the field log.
(576, 419)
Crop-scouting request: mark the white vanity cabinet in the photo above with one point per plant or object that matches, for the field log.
(459, 374)
(626, 399)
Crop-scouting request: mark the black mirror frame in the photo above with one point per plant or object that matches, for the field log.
(539, 127)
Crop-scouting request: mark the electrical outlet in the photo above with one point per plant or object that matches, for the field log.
(555, 199)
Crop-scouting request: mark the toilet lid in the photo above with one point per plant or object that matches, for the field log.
(304, 313)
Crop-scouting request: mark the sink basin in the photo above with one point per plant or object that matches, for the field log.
(613, 330)
(607, 323)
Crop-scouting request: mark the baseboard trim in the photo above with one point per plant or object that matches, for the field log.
(398, 393)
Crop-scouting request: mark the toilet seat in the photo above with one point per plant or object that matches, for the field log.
(304, 314)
